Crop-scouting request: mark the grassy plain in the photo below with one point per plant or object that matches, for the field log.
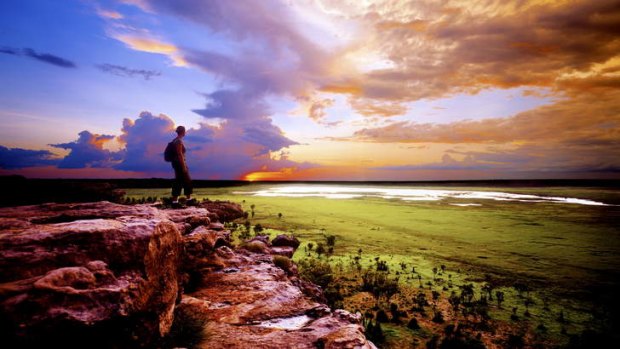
(568, 254)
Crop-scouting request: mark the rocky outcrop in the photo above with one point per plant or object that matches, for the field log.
(88, 265)
(106, 272)
(251, 303)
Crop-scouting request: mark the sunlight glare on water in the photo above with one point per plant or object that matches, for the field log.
(409, 194)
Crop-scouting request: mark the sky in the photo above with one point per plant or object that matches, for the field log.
(311, 89)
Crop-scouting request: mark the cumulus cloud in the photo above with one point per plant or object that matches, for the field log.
(16, 158)
(228, 151)
(41, 57)
(119, 70)
(144, 142)
(87, 151)
(249, 75)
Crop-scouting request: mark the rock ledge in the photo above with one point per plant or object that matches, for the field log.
(91, 272)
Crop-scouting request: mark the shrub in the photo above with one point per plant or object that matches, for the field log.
(187, 330)
(334, 296)
(316, 271)
(461, 343)
(515, 342)
(282, 262)
(382, 316)
(413, 324)
(320, 249)
(438, 318)
(330, 240)
(375, 333)
(254, 246)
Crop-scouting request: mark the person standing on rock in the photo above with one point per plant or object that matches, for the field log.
(175, 153)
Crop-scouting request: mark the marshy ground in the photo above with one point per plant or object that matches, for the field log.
(556, 263)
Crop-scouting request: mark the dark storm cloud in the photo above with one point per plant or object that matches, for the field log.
(87, 151)
(15, 158)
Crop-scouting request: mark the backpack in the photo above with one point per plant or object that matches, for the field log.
(170, 152)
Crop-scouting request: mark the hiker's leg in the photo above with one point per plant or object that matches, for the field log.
(177, 185)
(188, 189)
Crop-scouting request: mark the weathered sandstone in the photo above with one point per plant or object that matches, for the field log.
(102, 272)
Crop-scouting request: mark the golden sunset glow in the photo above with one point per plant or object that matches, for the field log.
(317, 89)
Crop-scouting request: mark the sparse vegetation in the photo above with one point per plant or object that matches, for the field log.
(282, 262)
(421, 263)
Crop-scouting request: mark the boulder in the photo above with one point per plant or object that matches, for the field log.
(211, 239)
(188, 219)
(199, 246)
(286, 251)
(87, 268)
(225, 211)
(285, 240)
(262, 238)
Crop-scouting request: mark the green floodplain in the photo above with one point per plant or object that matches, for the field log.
(556, 264)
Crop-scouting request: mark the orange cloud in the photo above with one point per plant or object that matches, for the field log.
(568, 120)
(415, 25)
(369, 107)
(437, 49)
(317, 108)
(151, 45)
(344, 89)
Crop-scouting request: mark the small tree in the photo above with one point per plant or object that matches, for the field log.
(413, 324)
(375, 333)
(247, 226)
(320, 249)
(467, 293)
(499, 295)
(330, 240)
(438, 317)
(455, 302)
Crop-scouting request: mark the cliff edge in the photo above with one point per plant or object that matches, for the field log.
(105, 275)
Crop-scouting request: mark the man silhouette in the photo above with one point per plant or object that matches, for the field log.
(182, 179)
